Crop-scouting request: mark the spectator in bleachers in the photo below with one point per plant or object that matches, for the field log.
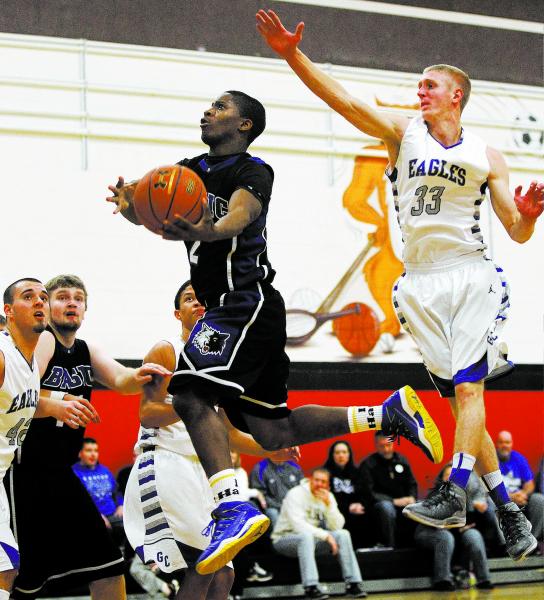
(520, 483)
(467, 539)
(309, 524)
(102, 487)
(2, 322)
(274, 480)
(245, 567)
(390, 485)
(347, 489)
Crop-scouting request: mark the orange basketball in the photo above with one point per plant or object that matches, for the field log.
(168, 191)
(358, 332)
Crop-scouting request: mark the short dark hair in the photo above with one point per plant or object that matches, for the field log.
(66, 281)
(177, 297)
(321, 470)
(8, 292)
(252, 109)
(88, 440)
(2, 320)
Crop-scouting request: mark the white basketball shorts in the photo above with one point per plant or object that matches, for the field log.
(167, 506)
(9, 550)
(455, 316)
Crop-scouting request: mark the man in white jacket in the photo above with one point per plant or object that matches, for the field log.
(309, 524)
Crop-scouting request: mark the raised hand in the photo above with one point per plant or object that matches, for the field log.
(531, 204)
(283, 42)
(122, 194)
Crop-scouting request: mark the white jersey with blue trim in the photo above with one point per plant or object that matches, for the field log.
(19, 396)
(438, 191)
(173, 438)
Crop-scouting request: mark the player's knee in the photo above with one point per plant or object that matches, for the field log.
(221, 583)
(467, 394)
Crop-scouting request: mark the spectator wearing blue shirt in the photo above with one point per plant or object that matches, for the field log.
(100, 483)
(519, 481)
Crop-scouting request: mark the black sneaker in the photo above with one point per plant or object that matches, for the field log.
(313, 591)
(444, 507)
(520, 542)
(485, 585)
(257, 573)
(443, 586)
(354, 590)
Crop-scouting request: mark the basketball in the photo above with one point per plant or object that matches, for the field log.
(358, 332)
(168, 191)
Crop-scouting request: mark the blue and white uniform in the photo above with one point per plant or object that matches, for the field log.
(19, 397)
(168, 499)
(451, 299)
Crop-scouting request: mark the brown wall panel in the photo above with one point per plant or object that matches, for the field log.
(339, 36)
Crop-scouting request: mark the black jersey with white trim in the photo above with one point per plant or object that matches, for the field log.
(237, 263)
(49, 442)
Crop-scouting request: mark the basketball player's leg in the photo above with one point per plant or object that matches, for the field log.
(109, 588)
(400, 414)
(195, 405)
(215, 586)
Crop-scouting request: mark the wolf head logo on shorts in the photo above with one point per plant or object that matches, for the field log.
(209, 340)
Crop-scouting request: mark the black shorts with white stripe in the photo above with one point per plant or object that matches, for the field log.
(237, 352)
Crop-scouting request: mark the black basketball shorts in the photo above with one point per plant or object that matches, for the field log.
(237, 350)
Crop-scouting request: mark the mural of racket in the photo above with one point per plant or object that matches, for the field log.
(302, 324)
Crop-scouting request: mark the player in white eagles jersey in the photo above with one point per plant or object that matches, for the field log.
(168, 500)
(452, 299)
(26, 306)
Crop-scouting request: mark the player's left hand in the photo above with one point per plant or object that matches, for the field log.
(531, 204)
(285, 454)
(75, 412)
(179, 229)
(149, 371)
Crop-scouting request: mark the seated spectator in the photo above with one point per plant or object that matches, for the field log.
(468, 540)
(245, 567)
(274, 480)
(309, 524)
(519, 481)
(390, 485)
(346, 487)
(102, 487)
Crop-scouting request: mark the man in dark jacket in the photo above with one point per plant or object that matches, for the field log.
(389, 485)
(274, 480)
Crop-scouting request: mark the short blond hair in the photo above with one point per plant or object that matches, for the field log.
(460, 77)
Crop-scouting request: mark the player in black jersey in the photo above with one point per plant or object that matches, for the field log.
(235, 355)
(61, 534)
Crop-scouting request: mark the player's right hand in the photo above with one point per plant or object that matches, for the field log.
(122, 195)
(283, 42)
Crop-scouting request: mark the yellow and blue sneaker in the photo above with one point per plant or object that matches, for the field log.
(233, 526)
(404, 415)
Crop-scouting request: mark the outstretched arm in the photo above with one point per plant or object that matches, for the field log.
(125, 380)
(245, 443)
(386, 127)
(517, 213)
(122, 195)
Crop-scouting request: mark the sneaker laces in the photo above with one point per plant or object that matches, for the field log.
(442, 495)
(220, 521)
(513, 524)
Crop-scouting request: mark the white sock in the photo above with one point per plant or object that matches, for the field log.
(4, 595)
(364, 418)
(224, 486)
(492, 480)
